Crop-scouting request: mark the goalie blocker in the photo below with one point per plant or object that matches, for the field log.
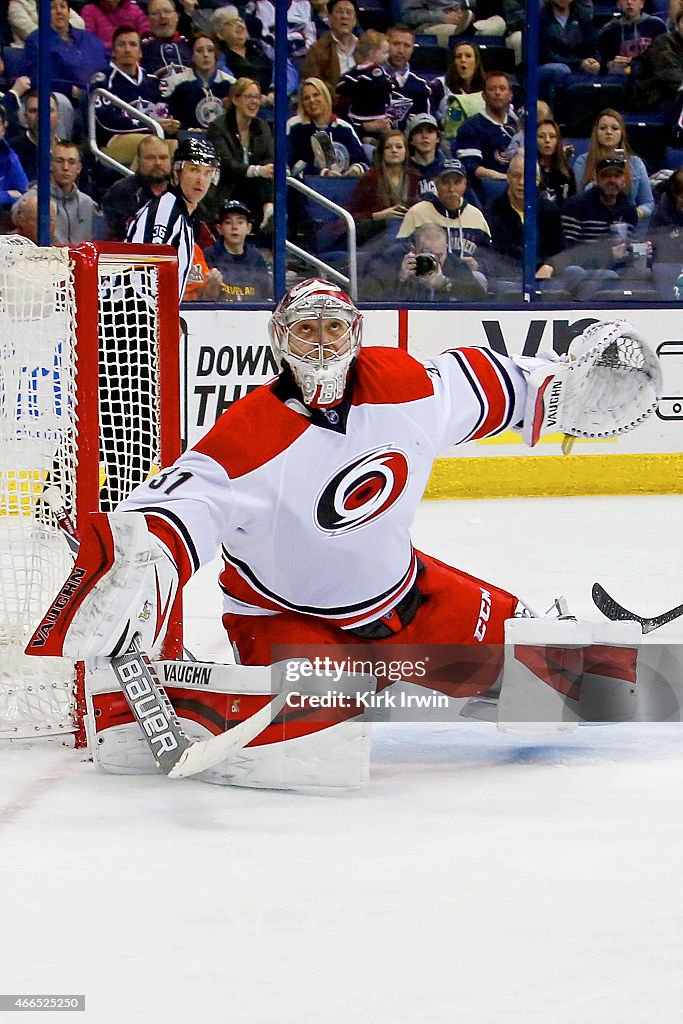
(124, 582)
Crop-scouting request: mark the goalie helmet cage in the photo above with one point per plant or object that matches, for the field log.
(89, 404)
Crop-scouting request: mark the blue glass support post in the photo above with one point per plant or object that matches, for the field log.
(280, 133)
(531, 40)
(44, 133)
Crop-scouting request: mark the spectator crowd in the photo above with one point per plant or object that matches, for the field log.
(408, 115)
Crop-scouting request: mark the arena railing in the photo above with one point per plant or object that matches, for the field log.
(133, 112)
(350, 282)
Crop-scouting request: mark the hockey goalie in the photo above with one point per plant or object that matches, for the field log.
(308, 487)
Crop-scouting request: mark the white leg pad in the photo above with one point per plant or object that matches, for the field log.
(333, 757)
(559, 672)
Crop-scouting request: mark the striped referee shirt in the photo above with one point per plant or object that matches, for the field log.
(165, 220)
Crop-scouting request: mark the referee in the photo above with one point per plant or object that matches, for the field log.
(169, 219)
(128, 443)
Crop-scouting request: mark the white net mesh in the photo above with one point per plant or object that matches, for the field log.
(129, 378)
(39, 404)
(37, 444)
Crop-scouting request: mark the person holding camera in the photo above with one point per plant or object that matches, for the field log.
(467, 231)
(425, 271)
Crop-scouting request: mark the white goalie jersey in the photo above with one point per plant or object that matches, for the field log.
(313, 512)
(312, 509)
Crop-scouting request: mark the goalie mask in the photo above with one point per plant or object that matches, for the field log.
(316, 332)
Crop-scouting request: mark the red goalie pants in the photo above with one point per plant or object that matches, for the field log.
(455, 609)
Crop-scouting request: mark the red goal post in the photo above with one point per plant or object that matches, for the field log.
(89, 403)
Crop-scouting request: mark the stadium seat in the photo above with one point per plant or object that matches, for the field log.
(558, 297)
(645, 119)
(673, 158)
(602, 13)
(430, 61)
(497, 58)
(636, 293)
(648, 132)
(339, 190)
(374, 14)
(327, 227)
(396, 9)
(665, 275)
(476, 40)
(495, 55)
(578, 105)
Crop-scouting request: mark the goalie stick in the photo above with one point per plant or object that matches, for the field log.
(174, 752)
(611, 609)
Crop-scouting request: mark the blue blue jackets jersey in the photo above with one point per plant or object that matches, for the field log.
(300, 157)
(414, 90)
(71, 63)
(483, 142)
(12, 175)
(140, 91)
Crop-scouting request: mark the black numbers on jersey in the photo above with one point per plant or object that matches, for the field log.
(179, 479)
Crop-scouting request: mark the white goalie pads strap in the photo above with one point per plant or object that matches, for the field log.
(610, 382)
(559, 672)
(298, 751)
(134, 593)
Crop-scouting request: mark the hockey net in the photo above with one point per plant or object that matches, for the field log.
(88, 360)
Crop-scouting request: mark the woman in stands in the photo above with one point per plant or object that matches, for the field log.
(103, 17)
(609, 132)
(22, 16)
(242, 56)
(458, 94)
(244, 144)
(195, 96)
(308, 153)
(557, 179)
(384, 194)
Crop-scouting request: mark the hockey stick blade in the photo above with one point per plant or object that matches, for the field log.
(611, 609)
(203, 754)
(173, 751)
(54, 500)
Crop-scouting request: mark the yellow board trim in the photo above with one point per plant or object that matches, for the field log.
(20, 491)
(556, 476)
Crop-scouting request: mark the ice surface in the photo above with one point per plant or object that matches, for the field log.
(478, 879)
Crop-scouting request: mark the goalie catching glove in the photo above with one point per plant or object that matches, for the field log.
(609, 382)
(123, 583)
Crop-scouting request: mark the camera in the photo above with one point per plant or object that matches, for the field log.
(638, 251)
(425, 263)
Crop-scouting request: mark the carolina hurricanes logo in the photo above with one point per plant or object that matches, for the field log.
(362, 491)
